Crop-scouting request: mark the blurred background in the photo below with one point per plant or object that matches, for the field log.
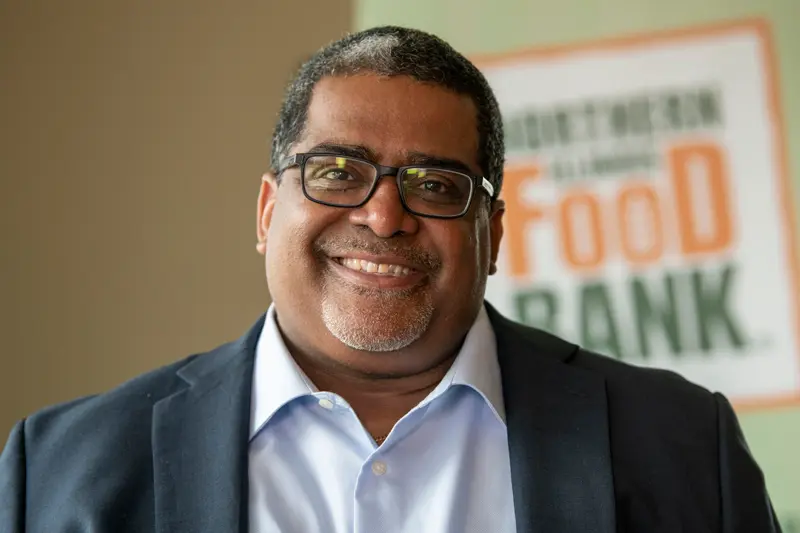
(134, 135)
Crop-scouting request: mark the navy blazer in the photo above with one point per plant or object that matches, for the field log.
(596, 445)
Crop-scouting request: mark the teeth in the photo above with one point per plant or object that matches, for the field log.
(375, 268)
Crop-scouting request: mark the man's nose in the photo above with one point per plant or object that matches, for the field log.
(384, 213)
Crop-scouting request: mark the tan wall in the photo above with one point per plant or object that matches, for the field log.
(132, 141)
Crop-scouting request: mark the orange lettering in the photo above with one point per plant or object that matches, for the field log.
(641, 228)
(702, 198)
(518, 217)
(581, 233)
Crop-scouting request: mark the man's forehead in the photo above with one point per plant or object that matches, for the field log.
(392, 117)
(376, 98)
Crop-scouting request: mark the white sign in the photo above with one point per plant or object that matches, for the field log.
(649, 215)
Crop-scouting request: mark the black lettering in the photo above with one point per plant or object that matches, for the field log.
(531, 127)
(710, 107)
(639, 122)
(563, 127)
(599, 165)
(538, 308)
(690, 110)
(548, 130)
(653, 314)
(619, 120)
(562, 170)
(674, 118)
(591, 118)
(598, 323)
(712, 305)
(515, 134)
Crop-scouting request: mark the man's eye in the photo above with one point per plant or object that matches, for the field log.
(435, 186)
(334, 174)
(438, 185)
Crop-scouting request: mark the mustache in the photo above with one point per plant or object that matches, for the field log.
(340, 246)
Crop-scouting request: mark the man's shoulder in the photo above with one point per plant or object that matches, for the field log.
(643, 385)
(627, 384)
(124, 409)
(118, 408)
(91, 448)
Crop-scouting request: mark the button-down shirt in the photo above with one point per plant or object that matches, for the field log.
(444, 468)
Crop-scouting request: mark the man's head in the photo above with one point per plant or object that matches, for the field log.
(402, 269)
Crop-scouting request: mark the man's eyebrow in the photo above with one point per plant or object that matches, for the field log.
(428, 160)
(351, 150)
(412, 158)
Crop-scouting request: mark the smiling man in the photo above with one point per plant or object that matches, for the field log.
(380, 393)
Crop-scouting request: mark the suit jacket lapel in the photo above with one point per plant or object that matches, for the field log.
(200, 437)
(558, 434)
(557, 437)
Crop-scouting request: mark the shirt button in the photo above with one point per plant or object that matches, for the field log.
(326, 403)
(379, 468)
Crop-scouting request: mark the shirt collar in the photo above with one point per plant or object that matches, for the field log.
(277, 379)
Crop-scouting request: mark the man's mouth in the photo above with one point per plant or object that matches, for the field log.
(362, 265)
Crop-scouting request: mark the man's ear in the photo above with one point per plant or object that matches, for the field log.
(496, 231)
(266, 203)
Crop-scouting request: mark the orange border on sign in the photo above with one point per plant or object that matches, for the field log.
(761, 28)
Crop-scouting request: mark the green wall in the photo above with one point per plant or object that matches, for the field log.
(487, 26)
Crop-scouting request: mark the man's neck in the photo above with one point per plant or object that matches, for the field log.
(379, 402)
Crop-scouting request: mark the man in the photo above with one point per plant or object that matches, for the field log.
(380, 393)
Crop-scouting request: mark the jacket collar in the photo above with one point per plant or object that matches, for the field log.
(558, 434)
(199, 440)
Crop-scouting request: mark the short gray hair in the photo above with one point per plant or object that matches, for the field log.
(395, 51)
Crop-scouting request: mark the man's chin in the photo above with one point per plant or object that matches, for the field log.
(377, 323)
(371, 341)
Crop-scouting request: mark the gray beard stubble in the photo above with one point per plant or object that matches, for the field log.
(368, 331)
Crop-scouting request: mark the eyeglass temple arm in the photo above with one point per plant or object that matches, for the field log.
(288, 162)
(488, 187)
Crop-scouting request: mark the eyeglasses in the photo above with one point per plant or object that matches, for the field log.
(342, 181)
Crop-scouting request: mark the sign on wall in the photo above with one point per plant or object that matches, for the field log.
(648, 207)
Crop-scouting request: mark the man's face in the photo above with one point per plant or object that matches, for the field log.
(376, 288)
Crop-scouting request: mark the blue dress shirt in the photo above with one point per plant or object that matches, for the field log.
(444, 468)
